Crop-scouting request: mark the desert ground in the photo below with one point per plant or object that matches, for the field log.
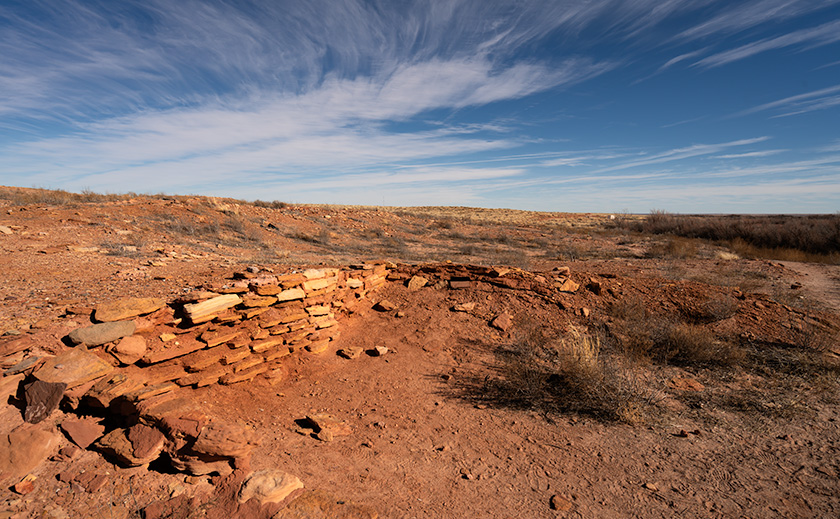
(480, 363)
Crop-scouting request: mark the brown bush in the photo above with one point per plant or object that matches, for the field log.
(554, 373)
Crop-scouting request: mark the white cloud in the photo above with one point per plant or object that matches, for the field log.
(749, 154)
(681, 154)
(813, 37)
(801, 103)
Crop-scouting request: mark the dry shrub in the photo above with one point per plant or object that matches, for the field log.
(676, 247)
(643, 336)
(275, 204)
(26, 196)
(442, 223)
(712, 309)
(694, 345)
(556, 374)
(797, 238)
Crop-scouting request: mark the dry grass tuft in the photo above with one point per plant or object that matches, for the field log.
(550, 373)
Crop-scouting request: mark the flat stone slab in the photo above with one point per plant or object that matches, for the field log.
(42, 399)
(74, 368)
(269, 486)
(126, 308)
(23, 449)
(83, 431)
(102, 333)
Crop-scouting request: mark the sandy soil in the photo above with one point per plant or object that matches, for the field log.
(428, 437)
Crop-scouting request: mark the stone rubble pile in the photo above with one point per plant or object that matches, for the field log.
(136, 366)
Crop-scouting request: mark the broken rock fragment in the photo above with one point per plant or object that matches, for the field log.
(464, 307)
(130, 349)
(384, 306)
(83, 432)
(417, 282)
(127, 308)
(207, 310)
(135, 446)
(74, 367)
(24, 449)
(42, 399)
(269, 486)
(351, 352)
(502, 322)
(102, 333)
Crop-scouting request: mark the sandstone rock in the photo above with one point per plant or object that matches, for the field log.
(127, 308)
(42, 399)
(326, 422)
(221, 336)
(268, 486)
(183, 345)
(109, 388)
(562, 271)
(502, 322)
(135, 446)
(255, 301)
(12, 346)
(130, 349)
(355, 283)
(291, 294)
(9, 386)
(24, 487)
(5, 230)
(464, 307)
(351, 352)
(22, 450)
(560, 503)
(417, 282)
(290, 280)
(379, 351)
(146, 392)
(203, 359)
(594, 286)
(98, 334)
(26, 365)
(224, 439)
(318, 346)
(201, 466)
(244, 375)
(74, 368)
(206, 310)
(498, 272)
(82, 431)
(384, 306)
(460, 283)
(318, 310)
(567, 285)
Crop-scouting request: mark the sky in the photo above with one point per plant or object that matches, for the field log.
(701, 106)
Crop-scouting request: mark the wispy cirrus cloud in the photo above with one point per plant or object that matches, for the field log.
(687, 152)
(739, 16)
(749, 154)
(812, 37)
(800, 103)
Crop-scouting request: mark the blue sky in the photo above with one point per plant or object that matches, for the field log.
(598, 105)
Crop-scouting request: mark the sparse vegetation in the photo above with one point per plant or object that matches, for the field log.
(551, 373)
(26, 196)
(798, 238)
(276, 204)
